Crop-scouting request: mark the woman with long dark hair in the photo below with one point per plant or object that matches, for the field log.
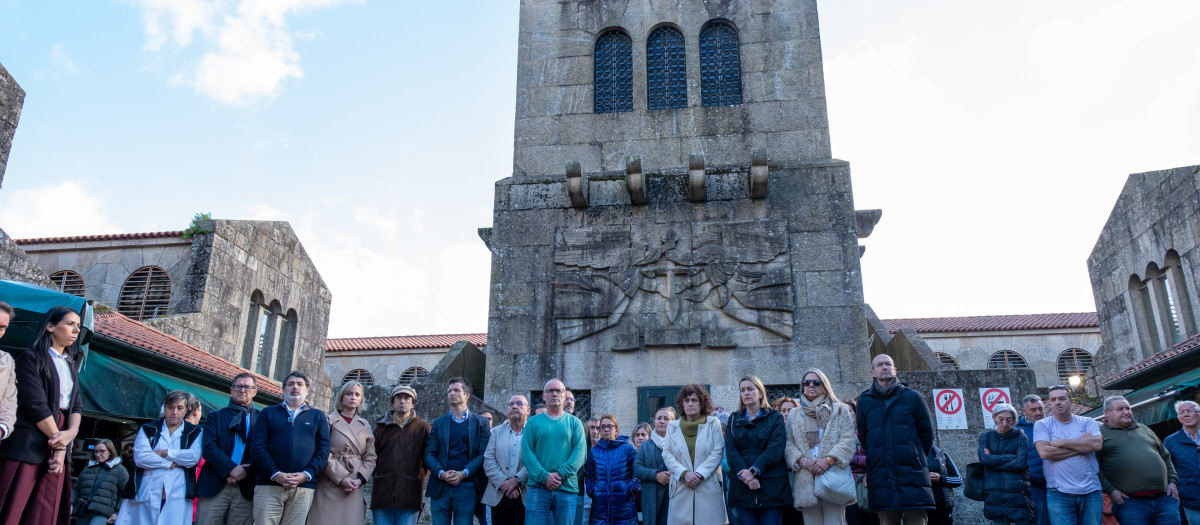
(35, 476)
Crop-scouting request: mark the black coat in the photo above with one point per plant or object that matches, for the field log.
(758, 443)
(943, 489)
(437, 449)
(218, 437)
(1006, 475)
(37, 399)
(106, 500)
(897, 435)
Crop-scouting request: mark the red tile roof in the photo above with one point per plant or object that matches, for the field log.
(402, 342)
(118, 326)
(995, 323)
(1183, 347)
(103, 237)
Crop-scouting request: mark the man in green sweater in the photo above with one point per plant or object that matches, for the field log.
(1136, 470)
(553, 448)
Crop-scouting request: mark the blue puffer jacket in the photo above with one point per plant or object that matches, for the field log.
(1037, 477)
(1186, 456)
(608, 475)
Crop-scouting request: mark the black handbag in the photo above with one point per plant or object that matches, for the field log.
(973, 482)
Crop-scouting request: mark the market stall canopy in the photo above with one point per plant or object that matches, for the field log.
(1156, 403)
(31, 302)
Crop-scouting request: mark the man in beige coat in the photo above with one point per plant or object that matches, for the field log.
(8, 384)
(505, 471)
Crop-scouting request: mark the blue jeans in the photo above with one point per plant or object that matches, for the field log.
(455, 506)
(1040, 516)
(1163, 510)
(395, 516)
(1193, 516)
(549, 507)
(1074, 509)
(762, 516)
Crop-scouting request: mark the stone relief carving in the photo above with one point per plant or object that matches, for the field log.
(673, 284)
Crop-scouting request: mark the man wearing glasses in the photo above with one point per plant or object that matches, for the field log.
(506, 472)
(1068, 444)
(1184, 447)
(553, 448)
(226, 484)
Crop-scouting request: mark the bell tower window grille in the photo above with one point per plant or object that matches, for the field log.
(69, 282)
(146, 294)
(666, 69)
(720, 65)
(613, 72)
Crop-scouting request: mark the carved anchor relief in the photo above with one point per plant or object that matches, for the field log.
(680, 284)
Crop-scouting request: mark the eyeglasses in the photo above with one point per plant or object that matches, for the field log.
(553, 391)
(812, 382)
(516, 403)
(608, 427)
(1189, 411)
(244, 388)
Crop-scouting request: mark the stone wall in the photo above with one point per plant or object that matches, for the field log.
(1040, 349)
(783, 91)
(225, 269)
(615, 296)
(106, 264)
(385, 366)
(16, 265)
(12, 97)
(1156, 212)
(963, 445)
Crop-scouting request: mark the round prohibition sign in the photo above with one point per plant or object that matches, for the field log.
(990, 402)
(949, 402)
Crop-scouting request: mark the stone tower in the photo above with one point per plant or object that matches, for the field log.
(674, 214)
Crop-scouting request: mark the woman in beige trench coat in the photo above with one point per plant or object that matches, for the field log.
(693, 451)
(339, 496)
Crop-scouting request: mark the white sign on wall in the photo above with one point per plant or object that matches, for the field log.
(948, 405)
(989, 398)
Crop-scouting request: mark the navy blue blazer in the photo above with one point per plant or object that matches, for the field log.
(278, 445)
(437, 447)
(219, 429)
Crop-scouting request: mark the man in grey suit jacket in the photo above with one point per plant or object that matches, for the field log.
(505, 471)
(454, 454)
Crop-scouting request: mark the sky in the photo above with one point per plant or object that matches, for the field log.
(995, 138)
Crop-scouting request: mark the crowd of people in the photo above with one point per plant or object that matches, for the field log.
(815, 459)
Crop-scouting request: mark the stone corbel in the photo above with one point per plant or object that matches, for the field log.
(635, 181)
(865, 221)
(696, 177)
(758, 174)
(576, 185)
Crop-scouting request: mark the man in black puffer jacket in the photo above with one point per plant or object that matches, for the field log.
(897, 435)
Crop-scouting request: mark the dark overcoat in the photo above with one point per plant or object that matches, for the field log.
(758, 443)
(1006, 476)
(897, 435)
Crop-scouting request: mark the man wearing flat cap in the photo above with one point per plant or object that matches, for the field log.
(400, 470)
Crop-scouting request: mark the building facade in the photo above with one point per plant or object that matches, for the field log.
(389, 361)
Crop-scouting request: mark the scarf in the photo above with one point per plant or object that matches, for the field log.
(659, 441)
(690, 429)
(816, 416)
(885, 391)
(237, 423)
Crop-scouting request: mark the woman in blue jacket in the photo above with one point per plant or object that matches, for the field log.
(608, 476)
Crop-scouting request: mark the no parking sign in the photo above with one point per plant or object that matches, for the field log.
(948, 405)
(989, 398)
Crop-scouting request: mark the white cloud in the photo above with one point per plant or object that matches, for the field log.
(261, 211)
(55, 210)
(383, 222)
(247, 52)
(61, 61)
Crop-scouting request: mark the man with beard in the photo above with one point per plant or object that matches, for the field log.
(506, 472)
(226, 484)
(400, 468)
(897, 434)
(288, 447)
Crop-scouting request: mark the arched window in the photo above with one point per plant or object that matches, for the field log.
(360, 375)
(1073, 362)
(250, 340)
(68, 282)
(146, 294)
(1007, 359)
(613, 72)
(268, 326)
(946, 361)
(287, 343)
(666, 69)
(720, 65)
(413, 374)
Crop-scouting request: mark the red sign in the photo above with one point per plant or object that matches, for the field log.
(994, 397)
(949, 402)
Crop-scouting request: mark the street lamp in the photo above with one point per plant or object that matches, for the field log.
(1074, 381)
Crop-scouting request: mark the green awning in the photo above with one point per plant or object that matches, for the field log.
(1159, 410)
(31, 303)
(123, 389)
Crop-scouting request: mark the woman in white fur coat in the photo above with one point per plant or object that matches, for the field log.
(820, 435)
